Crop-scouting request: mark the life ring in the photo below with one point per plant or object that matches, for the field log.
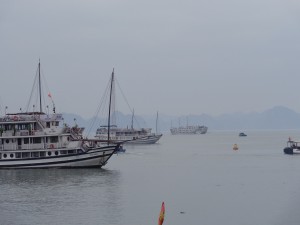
(51, 146)
(15, 118)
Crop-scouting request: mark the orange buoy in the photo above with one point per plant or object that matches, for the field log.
(235, 147)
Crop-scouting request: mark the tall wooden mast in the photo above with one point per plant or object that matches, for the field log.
(109, 108)
(40, 88)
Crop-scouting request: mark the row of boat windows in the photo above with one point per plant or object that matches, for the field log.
(26, 126)
(33, 140)
(41, 154)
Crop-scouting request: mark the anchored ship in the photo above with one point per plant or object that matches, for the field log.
(189, 130)
(40, 140)
(127, 135)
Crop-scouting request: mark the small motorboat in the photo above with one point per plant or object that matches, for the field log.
(293, 147)
(242, 134)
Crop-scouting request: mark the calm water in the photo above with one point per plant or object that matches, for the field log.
(200, 178)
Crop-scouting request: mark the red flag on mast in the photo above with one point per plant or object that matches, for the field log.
(161, 214)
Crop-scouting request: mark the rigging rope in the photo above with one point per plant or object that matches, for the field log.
(131, 110)
(102, 102)
(102, 108)
(32, 90)
(34, 96)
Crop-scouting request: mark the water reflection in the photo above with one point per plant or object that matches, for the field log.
(54, 196)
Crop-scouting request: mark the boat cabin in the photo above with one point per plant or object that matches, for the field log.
(27, 135)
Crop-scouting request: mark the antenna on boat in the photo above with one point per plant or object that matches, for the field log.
(109, 108)
(40, 88)
(132, 119)
(156, 121)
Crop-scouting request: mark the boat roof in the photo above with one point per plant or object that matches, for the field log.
(25, 113)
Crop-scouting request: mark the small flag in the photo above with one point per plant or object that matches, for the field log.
(49, 95)
(161, 214)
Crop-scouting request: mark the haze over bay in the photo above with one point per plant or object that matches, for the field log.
(177, 57)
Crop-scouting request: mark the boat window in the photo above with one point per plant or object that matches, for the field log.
(4, 155)
(49, 153)
(26, 140)
(25, 155)
(56, 152)
(63, 152)
(18, 155)
(71, 151)
(11, 155)
(35, 154)
(7, 141)
(42, 154)
(54, 139)
(36, 140)
(48, 124)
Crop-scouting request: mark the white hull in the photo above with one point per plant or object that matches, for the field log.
(94, 158)
(296, 151)
(189, 130)
(145, 140)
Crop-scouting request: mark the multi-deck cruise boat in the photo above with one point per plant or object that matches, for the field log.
(189, 130)
(127, 135)
(40, 140)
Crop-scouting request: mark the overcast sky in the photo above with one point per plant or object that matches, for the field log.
(175, 57)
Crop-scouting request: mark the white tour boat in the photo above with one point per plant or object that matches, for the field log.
(127, 135)
(189, 130)
(40, 140)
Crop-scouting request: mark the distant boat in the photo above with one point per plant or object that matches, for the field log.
(242, 134)
(189, 130)
(235, 147)
(293, 147)
(127, 135)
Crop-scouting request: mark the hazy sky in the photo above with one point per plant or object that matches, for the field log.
(175, 57)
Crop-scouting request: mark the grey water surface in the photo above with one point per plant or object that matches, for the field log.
(199, 177)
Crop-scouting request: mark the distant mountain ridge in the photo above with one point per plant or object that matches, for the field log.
(278, 117)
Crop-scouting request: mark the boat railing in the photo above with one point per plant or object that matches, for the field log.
(16, 118)
(34, 146)
(9, 133)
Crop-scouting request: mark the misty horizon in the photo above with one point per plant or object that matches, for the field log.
(173, 57)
